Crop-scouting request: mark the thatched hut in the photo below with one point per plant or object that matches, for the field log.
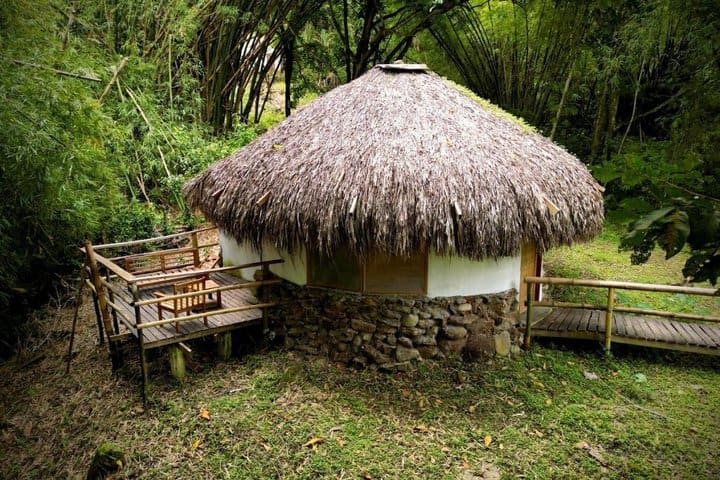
(402, 184)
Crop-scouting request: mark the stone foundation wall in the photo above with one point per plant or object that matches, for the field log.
(392, 332)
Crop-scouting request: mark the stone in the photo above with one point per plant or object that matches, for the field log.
(425, 323)
(410, 320)
(463, 320)
(424, 315)
(342, 357)
(438, 313)
(454, 332)
(108, 459)
(479, 346)
(425, 340)
(391, 322)
(404, 354)
(392, 314)
(341, 347)
(391, 340)
(433, 331)
(502, 343)
(386, 329)
(359, 361)
(307, 349)
(428, 351)
(357, 341)
(396, 367)
(362, 326)
(515, 349)
(366, 337)
(404, 309)
(376, 355)
(452, 347)
(412, 332)
(464, 308)
(404, 341)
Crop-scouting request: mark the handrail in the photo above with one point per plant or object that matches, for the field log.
(151, 240)
(206, 313)
(610, 307)
(193, 273)
(115, 268)
(237, 286)
(647, 287)
(158, 253)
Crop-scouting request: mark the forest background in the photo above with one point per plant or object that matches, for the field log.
(108, 107)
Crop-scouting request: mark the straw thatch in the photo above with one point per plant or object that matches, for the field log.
(399, 161)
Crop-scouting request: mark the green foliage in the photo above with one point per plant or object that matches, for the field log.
(695, 223)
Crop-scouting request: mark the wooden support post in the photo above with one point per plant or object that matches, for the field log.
(78, 302)
(195, 246)
(528, 315)
(177, 362)
(224, 346)
(98, 316)
(111, 296)
(141, 343)
(266, 296)
(102, 301)
(608, 319)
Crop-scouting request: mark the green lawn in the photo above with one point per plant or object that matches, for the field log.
(542, 415)
(601, 259)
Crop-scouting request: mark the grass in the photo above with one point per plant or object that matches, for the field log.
(601, 259)
(649, 414)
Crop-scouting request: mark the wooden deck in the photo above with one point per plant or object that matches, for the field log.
(162, 335)
(629, 329)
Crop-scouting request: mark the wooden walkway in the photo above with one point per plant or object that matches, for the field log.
(162, 335)
(629, 329)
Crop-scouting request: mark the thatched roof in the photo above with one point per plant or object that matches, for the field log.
(398, 161)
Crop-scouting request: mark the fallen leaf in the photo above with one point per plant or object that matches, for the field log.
(487, 440)
(582, 445)
(420, 429)
(341, 442)
(195, 444)
(548, 402)
(595, 453)
(266, 447)
(693, 430)
(445, 450)
(313, 442)
(139, 410)
(590, 375)
(277, 146)
(205, 413)
(406, 393)
(366, 476)
(539, 434)
(472, 408)
(615, 374)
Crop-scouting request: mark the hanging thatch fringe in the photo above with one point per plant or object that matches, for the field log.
(415, 162)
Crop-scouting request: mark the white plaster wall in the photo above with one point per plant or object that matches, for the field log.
(294, 269)
(449, 276)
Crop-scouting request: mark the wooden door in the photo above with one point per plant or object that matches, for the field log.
(530, 265)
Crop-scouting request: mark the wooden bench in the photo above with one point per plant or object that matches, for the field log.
(199, 302)
(165, 261)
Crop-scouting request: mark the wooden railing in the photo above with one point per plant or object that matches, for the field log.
(610, 306)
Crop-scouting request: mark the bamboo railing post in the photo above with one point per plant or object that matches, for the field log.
(609, 319)
(528, 315)
(196, 250)
(96, 305)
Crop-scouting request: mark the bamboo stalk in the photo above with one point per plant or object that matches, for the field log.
(224, 288)
(609, 319)
(59, 72)
(194, 273)
(209, 313)
(130, 243)
(528, 315)
(647, 287)
(116, 73)
(100, 291)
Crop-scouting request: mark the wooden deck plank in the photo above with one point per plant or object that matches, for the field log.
(712, 332)
(166, 334)
(569, 321)
(619, 324)
(701, 336)
(683, 334)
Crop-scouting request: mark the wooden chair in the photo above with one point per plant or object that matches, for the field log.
(187, 304)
